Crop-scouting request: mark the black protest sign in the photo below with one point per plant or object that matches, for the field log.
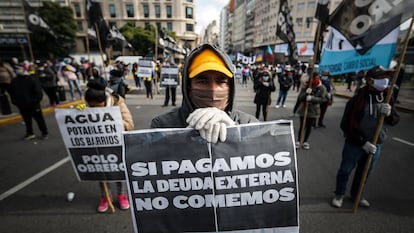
(93, 139)
(183, 184)
(169, 76)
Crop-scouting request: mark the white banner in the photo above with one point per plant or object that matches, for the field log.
(93, 139)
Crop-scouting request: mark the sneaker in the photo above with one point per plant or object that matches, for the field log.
(364, 203)
(337, 201)
(103, 205)
(306, 145)
(297, 144)
(284, 106)
(277, 106)
(29, 137)
(123, 201)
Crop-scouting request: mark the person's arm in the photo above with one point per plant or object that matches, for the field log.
(127, 119)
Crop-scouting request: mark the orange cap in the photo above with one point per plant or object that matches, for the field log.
(208, 60)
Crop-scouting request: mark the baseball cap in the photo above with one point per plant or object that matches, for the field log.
(208, 60)
(378, 71)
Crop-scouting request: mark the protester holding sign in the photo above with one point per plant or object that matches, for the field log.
(98, 96)
(208, 96)
(359, 124)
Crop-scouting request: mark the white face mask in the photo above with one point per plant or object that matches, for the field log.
(380, 84)
(265, 78)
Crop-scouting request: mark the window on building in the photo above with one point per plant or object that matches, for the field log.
(308, 21)
(146, 11)
(299, 21)
(80, 26)
(169, 11)
(189, 0)
(157, 11)
(158, 25)
(112, 12)
(189, 27)
(76, 7)
(169, 26)
(129, 10)
(301, 5)
(311, 4)
(189, 12)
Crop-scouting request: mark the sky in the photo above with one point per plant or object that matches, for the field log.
(207, 11)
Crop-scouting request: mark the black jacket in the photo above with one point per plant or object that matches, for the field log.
(26, 90)
(354, 113)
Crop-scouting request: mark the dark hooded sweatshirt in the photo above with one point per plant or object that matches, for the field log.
(176, 118)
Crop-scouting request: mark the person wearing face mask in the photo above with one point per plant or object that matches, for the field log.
(263, 86)
(285, 82)
(359, 123)
(313, 96)
(208, 89)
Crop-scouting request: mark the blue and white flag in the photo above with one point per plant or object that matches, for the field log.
(340, 57)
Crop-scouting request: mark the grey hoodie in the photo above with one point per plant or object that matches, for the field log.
(176, 118)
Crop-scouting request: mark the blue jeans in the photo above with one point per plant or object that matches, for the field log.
(353, 156)
(282, 96)
(74, 84)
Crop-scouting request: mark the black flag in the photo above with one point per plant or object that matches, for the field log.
(34, 21)
(96, 19)
(364, 23)
(322, 13)
(284, 30)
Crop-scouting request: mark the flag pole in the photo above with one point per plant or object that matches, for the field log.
(98, 36)
(305, 114)
(29, 43)
(382, 117)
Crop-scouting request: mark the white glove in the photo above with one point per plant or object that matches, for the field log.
(211, 122)
(308, 90)
(369, 148)
(385, 109)
(308, 98)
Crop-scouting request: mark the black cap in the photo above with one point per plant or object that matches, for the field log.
(378, 71)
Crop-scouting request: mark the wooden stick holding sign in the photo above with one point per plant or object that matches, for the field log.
(305, 114)
(108, 196)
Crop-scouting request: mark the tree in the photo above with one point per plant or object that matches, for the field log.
(61, 21)
(142, 39)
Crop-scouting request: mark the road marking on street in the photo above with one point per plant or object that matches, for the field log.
(403, 141)
(33, 179)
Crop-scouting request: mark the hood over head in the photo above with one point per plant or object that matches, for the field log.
(204, 58)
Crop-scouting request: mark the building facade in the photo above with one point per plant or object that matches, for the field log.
(252, 24)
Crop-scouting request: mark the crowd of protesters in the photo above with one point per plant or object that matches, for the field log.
(315, 95)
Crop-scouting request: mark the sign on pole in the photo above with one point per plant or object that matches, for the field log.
(169, 76)
(180, 183)
(145, 68)
(93, 139)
